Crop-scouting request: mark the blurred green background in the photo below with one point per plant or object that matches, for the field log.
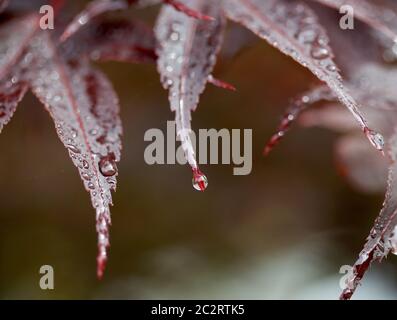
(281, 232)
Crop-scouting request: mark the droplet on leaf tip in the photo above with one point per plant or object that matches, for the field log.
(199, 181)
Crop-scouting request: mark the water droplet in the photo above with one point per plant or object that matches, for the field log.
(175, 36)
(375, 138)
(73, 132)
(73, 148)
(331, 68)
(85, 164)
(83, 19)
(86, 176)
(107, 166)
(320, 53)
(199, 181)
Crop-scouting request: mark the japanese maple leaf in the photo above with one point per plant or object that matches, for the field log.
(80, 99)
(373, 86)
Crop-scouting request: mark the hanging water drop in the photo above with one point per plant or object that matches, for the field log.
(73, 133)
(199, 181)
(83, 19)
(93, 132)
(86, 176)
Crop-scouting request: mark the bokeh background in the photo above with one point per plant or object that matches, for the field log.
(282, 232)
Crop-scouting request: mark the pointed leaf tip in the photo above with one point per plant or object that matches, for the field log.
(199, 181)
(293, 112)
